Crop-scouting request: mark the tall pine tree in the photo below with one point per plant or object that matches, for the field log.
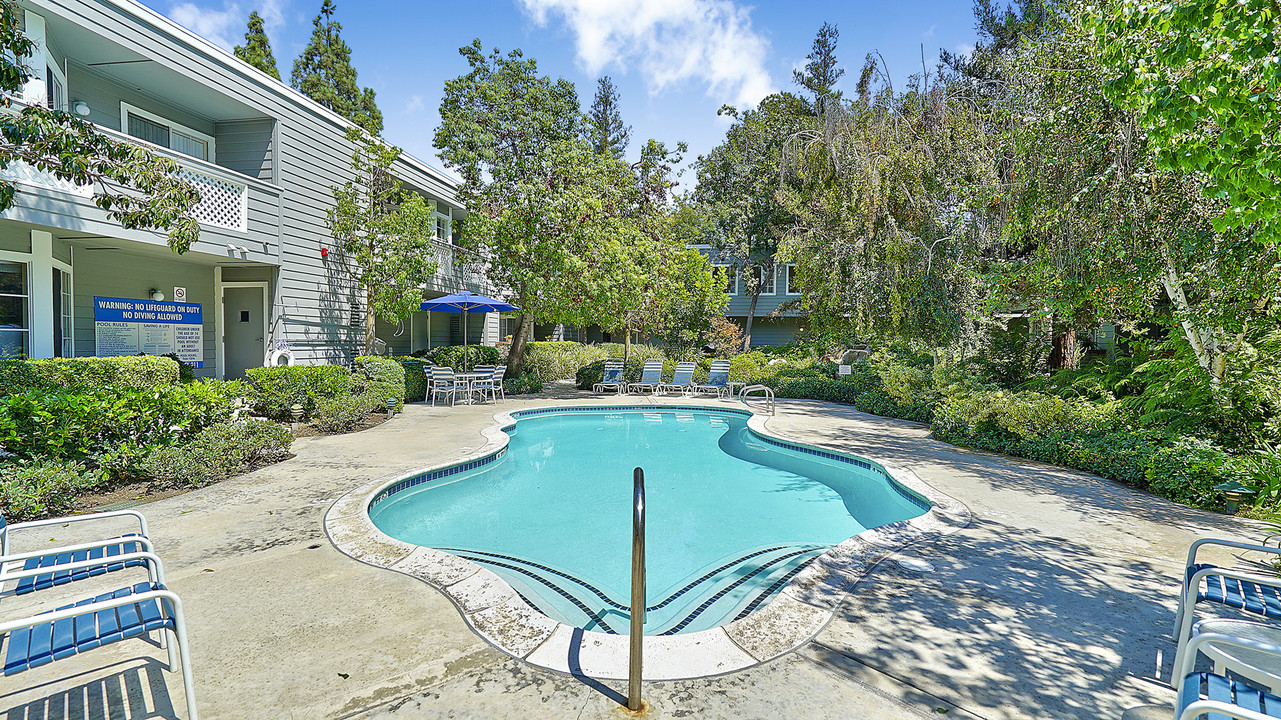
(821, 71)
(605, 130)
(325, 74)
(257, 48)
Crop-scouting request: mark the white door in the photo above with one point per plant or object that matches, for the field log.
(243, 330)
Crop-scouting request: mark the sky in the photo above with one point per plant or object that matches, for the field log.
(675, 62)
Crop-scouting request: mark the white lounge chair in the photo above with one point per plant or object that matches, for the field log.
(682, 378)
(717, 379)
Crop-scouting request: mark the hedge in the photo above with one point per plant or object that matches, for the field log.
(218, 452)
(277, 389)
(415, 378)
(40, 488)
(131, 372)
(452, 356)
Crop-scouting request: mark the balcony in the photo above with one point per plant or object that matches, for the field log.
(457, 269)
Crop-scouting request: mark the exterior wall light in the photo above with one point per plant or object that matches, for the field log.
(157, 295)
(80, 107)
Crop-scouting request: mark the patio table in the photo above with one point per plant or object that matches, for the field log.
(1259, 667)
(470, 378)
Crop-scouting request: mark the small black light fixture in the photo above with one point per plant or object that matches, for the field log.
(1234, 493)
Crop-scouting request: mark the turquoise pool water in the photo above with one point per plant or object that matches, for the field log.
(730, 517)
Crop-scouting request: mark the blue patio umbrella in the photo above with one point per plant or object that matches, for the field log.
(464, 302)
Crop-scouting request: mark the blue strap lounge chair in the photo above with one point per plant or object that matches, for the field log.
(613, 378)
(1242, 590)
(717, 379)
(682, 378)
(651, 378)
(54, 560)
(128, 612)
(1214, 696)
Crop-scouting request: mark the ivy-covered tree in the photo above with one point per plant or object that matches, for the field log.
(605, 129)
(512, 135)
(257, 48)
(324, 73)
(384, 233)
(135, 187)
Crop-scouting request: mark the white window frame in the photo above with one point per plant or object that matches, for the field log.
(791, 268)
(61, 76)
(447, 236)
(25, 260)
(126, 109)
(773, 278)
(732, 290)
(69, 307)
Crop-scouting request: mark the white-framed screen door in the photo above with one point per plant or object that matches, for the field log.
(244, 327)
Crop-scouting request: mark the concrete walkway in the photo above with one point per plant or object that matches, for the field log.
(1056, 602)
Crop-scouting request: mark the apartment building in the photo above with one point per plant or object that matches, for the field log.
(265, 273)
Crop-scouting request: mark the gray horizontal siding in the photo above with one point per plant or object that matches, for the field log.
(246, 147)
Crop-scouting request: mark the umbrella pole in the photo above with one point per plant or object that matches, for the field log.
(464, 339)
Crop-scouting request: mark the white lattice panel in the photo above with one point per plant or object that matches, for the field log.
(19, 171)
(222, 202)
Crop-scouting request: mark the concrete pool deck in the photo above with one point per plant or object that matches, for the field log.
(1056, 601)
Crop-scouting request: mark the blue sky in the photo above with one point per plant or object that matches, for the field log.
(675, 61)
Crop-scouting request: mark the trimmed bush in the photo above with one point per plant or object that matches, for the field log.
(186, 373)
(39, 488)
(523, 385)
(415, 378)
(277, 389)
(218, 452)
(344, 413)
(19, 376)
(452, 356)
(89, 374)
(380, 378)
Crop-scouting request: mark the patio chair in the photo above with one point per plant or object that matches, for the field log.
(682, 378)
(1213, 695)
(1246, 591)
(443, 383)
(613, 378)
(492, 385)
(651, 377)
(133, 611)
(717, 379)
(54, 560)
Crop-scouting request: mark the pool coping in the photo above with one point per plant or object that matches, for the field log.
(499, 615)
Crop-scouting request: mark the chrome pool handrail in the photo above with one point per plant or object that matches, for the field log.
(638, 591)
(765, 392)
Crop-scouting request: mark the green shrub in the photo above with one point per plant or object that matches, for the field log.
(218, 452)
(344, 413)
(452, 356)
(82, 425)
(380, 378)
(523, 385)
(131, 372)
(186, 373)
(40, 488)
(277, 389)
(1187, 469)
(589, 375)
(19, 376)
(552, 361)
(415, 378)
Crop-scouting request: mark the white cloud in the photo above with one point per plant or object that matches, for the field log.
(670, 41)
(414, 105)
(965, 49)
(225, 27)
(928, 33)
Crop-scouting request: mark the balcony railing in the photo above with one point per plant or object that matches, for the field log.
(457, 268)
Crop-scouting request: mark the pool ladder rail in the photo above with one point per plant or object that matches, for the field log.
(758, 392)
(637, 633)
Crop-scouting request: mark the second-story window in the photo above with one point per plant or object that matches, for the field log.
(731, 278)
(793, 281)
(764, 279)
(159, 131)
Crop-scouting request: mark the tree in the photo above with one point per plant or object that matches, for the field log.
(514, 137)
(1204, 80)
(821, 72)
(384, 233)
(739, 182)
(605, 130)
(257, 48)
(136, 188)
(324, 73)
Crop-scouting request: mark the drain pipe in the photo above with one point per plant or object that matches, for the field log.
(638, 591)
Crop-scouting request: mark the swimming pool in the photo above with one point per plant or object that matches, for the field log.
(732, 515)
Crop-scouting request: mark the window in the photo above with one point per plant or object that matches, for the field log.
(793, 286)
(764, 278)
(55, 87)
(63, 326)
(159, 131)
(15, 332)
(731, 278)
(442, 228)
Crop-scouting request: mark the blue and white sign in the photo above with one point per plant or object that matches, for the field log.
(127, 327)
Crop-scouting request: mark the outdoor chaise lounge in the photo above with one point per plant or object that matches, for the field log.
(1215, 695)
(682, 378)
(613, 378)
(132, 611)
(651, 377)
(717, 379)
(55, 561)
(1250, 592)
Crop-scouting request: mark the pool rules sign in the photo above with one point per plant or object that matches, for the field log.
(128, 327)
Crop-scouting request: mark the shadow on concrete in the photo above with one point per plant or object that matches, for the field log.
(137, 692)
(576, 670)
